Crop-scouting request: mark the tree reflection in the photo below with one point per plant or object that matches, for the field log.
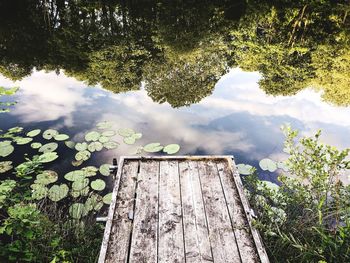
(181, 48)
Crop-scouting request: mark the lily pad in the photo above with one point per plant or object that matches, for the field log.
(92, 136)
(108, 133)
(70, 144)
(245, 169)
(89, 171)
(94, 202)
(36, 145)
(98, 185)
(126, 132)
(49, 147)
(107, 199)
(6, 148)
(58, 192)
(48, 157)
(36, 186)
(104, 125)
(82, 156)
(49, 134)
(129, 140)
(5, 166)
(74, 175)
(110, 145)
(77, 163)
(80, 184)
(34, 133)
(104, 169)
(283, 165)
(95, 146)
(22, 141)
(270, 185)
(268, 164)
(153, 147)
(15, 129)
(81, 146)
(83, 192)
(137, 135)
(61, 137)
(46, 177)
(77, 210)
(39, 193)
(103, 139)
(171, 148)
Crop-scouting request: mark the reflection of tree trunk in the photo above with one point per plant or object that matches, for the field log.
(296, 25)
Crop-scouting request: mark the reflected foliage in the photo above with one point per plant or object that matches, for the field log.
(180, 49)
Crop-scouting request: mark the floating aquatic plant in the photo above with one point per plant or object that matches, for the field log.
(5, 166)
(77, 210)
(81, 146)
(103, 139)
(61, 137)
(46, 177)
(104, 125)
(36, 145)
(270, 185)
(268, 165)
(22, 141)
(107, 199)
(6, 148)
(111, 145)
(89, 171)
(153, 147)
(58, 192)
(48, 157)
(245, 169)
(74, 175)
(94, 202)
(40, 192)
(98, 185)
(92, 136)
(171, 148)
(104, 169)
(108, 133)
(48, 147)
(83, 155)
(80, 184)
(95, 146)
(33, 133)
(49, 134)
(70, 144)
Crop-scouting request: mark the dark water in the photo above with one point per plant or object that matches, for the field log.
(216, 77)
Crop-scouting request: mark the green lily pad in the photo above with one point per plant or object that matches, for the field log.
(74, 175)
(49, 147)
(36, 145)
(36, 186)
(94, 202)
(39, 193)
(82, 156)
(15, 129)
(70, 144)
(5, 166)
(107, 199)
(49, 134)
(104, 125)
(95, 146)
(137, 136)
(103, 139)
(98, 185)
(81, 146)
(245, 169)
(270, 185)
(92, 136)
(77, 163)
(89, 171)
(6, 148)
(126, 132)
(46, 177)
(80, 184)
(129, 140)
(22, 141)
(110, 145)
(153, 147)
(48, 157)
(34, 133)
(77, 210)
(104, 169)
(83, 192)
(171, 148)
(268, 164)
(61, 137)
(58, 192)
(108, 133)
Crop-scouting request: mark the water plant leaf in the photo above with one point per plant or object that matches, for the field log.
(36, 186)
(80, 184)
(104, 125)
(5, 166)
(39, 193)
(33, 133)
(171, 148)
(83, 192)
(16, 129)
(83, 155)
(110, 145)
(153, 147)
(94, 202)
(48, 157)
(81, 146)
(89, 171)
(104, 169)
(268, 164)
(95, 146)
(22, 141)
(126, 132)
(107, 199)
(77, 163)
(46, 177)
(245, 169)
(129, 140)
(36, 145)
(92, 136)
(70, 144)
(108, 133)
(283, 165)
(137, 135)
(74, 175)
(103, 139)
(49, 134)
(61, 137)
(77, 210)
(6, 148)
(98, 185)
(48, 147)
(270, 185)
(58, 192)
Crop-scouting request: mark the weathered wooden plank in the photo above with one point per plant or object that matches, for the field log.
(256, 236)
(171, 243)
(145, 231)
(221, 234)
(239, 222)
(118, 246)
(197, 244)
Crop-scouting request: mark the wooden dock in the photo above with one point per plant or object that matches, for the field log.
(180, 209)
